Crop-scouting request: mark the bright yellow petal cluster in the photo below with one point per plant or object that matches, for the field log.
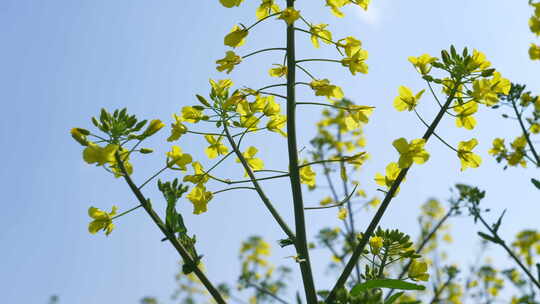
(102, 220)
(392, 172)
(467, 157)
(289, 15)
(375, 244)
(199, 176)
(534, 25)
(192, 114)
(336, 5)
(350, 45)
(99, 155)
(253, 162)
(418, 271)
(307, 176)
(478, 62)
(236, 38)
(216, 147)
(422, 63)
(323, 87)
(177, 129)
(231, 3)
(356, 63)
(406, 99)
(276, 123)
(319, 31)
(266, 8)
(534, 51)
(199, 197)
(221, 87)
(342, 214)
(410, 152)
(278, 71)
(486, 90)
(228, 63)
(176, 157)
(153, 127)
(464, 114)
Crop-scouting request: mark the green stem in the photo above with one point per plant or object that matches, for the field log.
(233, 188)
(301, 238)
(152, 177)
(126, 212)
(263, 50)
(525, 133)
(168, 234)
(258, 188)
(262, 19)
(384, 205)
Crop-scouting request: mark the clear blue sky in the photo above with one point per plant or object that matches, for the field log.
(61, 61)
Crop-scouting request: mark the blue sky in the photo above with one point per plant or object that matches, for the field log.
(64, 60)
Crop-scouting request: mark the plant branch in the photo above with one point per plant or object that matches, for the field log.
(188, 259)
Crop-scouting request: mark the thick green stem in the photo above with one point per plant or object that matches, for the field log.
(384, 205)
(188, 259)
(301, 238)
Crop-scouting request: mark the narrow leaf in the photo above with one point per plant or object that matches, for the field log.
(535, 182)
(393, 298)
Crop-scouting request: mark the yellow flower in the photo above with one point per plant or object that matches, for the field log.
(534, 128)
(253, 162)
(411, 152)
(277, 123)
(479, 62)
(422, 63)
(237, 37)
(221, 87)
(356, 62)
(392, 172)
(534, 52)
(406, 100)
(176, 157)
(358, 115)
(326, 201)
(342, 214)
(177, 129)
(231, 3)
(271, 107)
(534, 25)
(376, 243)
(418, 271)
(319, 31)
(464, 116)
(80, 136)
(307, 176)
(278, 71)
(153, 127)
(199, 197)
(100, 155)
(199, 176)
(467, 157)
(362, 3)
(335, 5)
(323, 87)
(102, 220)
(350, 44)
(498, 147)
(216, 147)
(192, 114)
(228, 62)
(266, 8)
(289, 15)
(486, 90)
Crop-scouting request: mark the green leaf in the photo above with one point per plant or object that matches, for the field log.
(393, 298)
(203, 100)
(488, 238)
(535, 182)
(385, 283)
